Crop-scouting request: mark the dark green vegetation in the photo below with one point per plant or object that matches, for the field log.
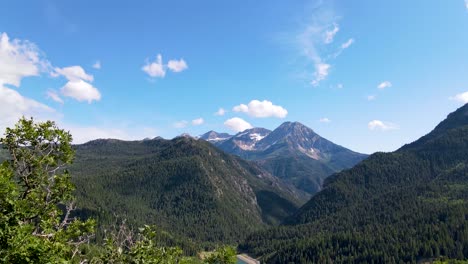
(402, 207)
(37, 224)
(293, 153)
(32, 185)
(398, 207)
(184, 186)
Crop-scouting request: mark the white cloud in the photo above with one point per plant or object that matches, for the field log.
(313, 39)
(177, 65)
(385, 84)
(77, 86)
(382, 126)
(319, 31)
(54, 96)
(220, 112)
(74, 73)
(237, 124)
(14, 105)
(262, 109)
(330, 34)
(155, 68)
(198, 121)
(81, 91)
(324, 120)
(462, 97)
(321, 72)
(180, 124)
(371, 97)
(340, 86)
(343, 46)
(19, 59)
(241, 108)
(97, 65)
(347, 44)
(466, 4)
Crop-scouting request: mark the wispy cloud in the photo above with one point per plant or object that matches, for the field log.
(466, 4)
(180, 124)
(198, 121)
(321, 72)
(371, 97)
(97, 65)
(324, 120)
(330, 34)
(315, 39)
(52, 94)
(343, 47)
(347, 44)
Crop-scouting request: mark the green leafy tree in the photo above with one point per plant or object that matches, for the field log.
(122, 245)
(36, 201)
(222, 255)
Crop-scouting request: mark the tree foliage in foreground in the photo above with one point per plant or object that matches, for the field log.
(33, 183)
(37, 203)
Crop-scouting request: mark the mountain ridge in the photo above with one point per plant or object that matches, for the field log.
(292, 152)
(177, 184)
(415, 197)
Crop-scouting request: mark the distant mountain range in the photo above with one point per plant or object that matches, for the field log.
(408, 206)
(187, 182)
(292, 152)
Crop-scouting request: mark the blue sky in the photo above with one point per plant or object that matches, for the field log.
(369, 75)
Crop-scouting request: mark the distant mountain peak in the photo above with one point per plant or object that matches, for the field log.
(292, 151)
(291, 124)
(294, 127)
(247, 139)
(215, 137)
(255, 130)
(186, 135)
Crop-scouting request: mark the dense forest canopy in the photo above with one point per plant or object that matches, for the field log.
(404, 206)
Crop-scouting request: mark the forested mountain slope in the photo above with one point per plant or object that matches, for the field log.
(404, 206)
(183, 185)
